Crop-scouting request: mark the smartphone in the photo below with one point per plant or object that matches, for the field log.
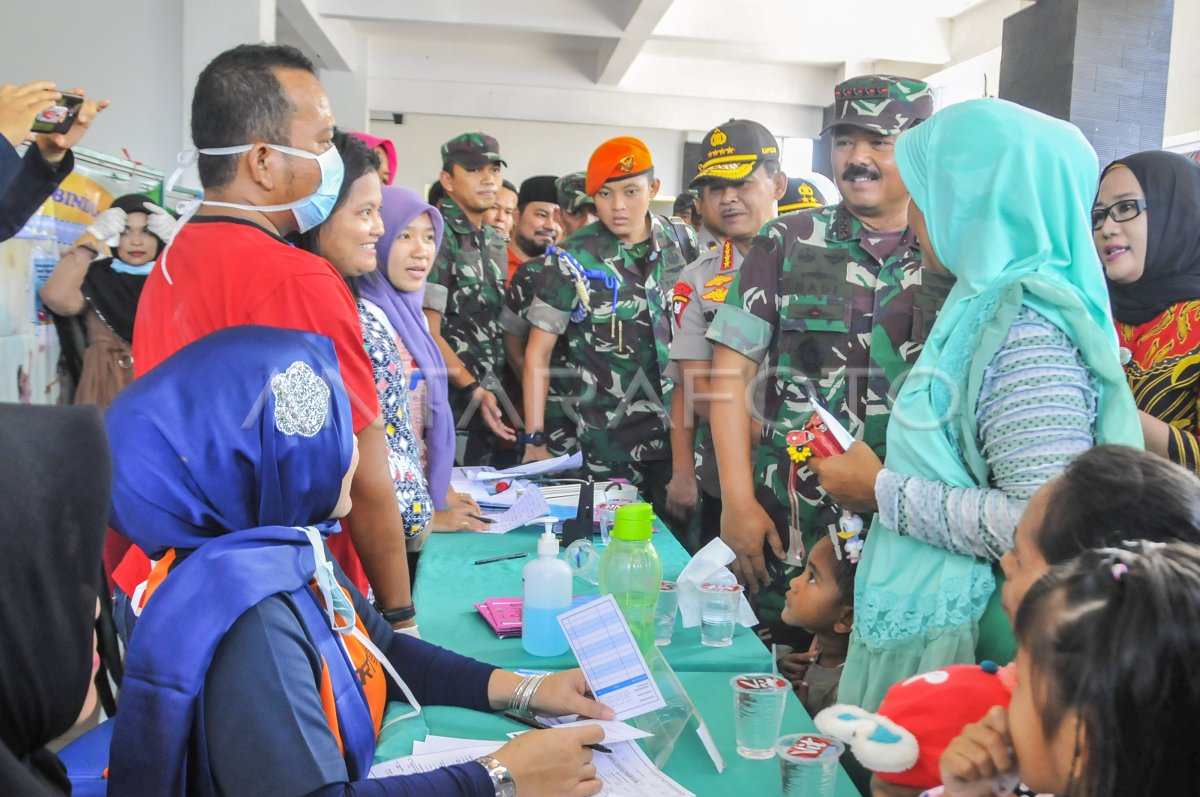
(59, 117)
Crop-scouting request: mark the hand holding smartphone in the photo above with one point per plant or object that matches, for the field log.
(60, 116)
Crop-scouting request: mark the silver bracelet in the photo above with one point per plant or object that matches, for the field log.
(515, 700)
(523, 694)
(530, 691)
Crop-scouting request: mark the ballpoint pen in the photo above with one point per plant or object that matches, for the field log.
(491, 559)
(534, 722)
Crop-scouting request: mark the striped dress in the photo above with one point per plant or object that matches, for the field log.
(1163, 368)
(1036, 412)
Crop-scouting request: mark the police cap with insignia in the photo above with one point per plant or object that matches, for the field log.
(801, 194)
(884, 104)
(733, 150)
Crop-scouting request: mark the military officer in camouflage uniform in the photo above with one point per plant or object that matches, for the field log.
(465, 293)
(834, 301)
(576, 208)
(602, 292)
(737, 184)
(557, 428)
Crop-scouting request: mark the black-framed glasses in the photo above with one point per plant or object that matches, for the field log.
(1123, 210)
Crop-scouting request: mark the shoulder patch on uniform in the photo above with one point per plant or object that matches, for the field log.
(679, 301)
(727, 255)
(718, 288)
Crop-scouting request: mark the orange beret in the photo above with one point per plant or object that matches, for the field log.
(616, 159)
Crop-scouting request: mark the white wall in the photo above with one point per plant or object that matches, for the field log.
(1183, 75)
(529, 148)
(127, 51)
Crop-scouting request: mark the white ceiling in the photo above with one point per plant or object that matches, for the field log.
(654, 62)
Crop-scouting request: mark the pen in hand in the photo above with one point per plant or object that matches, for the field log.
(534, 722)
(491, 559)
(482, 519)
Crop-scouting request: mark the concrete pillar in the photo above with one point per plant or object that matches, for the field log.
(1100, 64)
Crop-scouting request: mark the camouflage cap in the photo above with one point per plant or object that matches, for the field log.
(572, 196)
(733, 150)
(801, 194)
(472, 150)
(884, 104)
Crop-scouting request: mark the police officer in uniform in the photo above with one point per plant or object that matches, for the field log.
(738, 184)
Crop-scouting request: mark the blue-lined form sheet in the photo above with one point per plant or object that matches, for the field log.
(614, 668)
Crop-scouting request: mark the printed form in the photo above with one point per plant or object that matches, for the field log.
(610, 659)
(626, 772)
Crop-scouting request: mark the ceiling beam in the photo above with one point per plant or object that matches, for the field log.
(610, 107)
(564, 17)
(616, 59)
(336, 42)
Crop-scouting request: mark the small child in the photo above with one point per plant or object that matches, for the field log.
(1107, 696)
(1106, 495)
(821, 601)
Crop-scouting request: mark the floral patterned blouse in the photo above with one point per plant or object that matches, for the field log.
(404, 455)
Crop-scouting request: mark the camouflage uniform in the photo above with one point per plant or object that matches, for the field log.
(559, 429)
(572, 196)
(619, 353)
(466, 286)
(835, 309)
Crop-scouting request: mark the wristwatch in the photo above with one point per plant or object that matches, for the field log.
(534, 439)
(397, 615)
(501, 780)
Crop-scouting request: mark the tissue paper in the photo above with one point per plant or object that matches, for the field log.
(708, 566)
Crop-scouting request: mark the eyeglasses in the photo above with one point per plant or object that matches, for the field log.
(1125, 210)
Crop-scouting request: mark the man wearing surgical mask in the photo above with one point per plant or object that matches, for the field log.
(262, 128)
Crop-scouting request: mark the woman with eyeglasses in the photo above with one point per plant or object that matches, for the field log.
(1146, 225)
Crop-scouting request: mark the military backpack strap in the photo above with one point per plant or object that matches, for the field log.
(689, 249)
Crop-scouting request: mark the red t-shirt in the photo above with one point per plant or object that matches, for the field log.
(226, 273)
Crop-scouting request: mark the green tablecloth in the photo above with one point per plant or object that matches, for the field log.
(689, 763)
(449, 585)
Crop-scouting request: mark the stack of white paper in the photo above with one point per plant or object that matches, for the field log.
(626, 771)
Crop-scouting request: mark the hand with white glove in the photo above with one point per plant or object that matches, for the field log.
(159, 222)
(109, 224)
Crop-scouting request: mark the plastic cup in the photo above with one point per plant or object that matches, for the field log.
(758, 702)
(808, 764)
(606, 515)
(718, 613)
(664, 613)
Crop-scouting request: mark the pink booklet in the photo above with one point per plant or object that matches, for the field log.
(504, 614)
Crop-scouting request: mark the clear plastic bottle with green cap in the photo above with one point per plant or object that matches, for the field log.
(631, 571)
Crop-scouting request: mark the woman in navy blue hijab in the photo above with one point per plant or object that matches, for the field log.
(255, 666)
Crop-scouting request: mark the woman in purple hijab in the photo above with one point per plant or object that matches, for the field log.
(412, 233)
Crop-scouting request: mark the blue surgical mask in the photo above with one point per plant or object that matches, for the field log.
(124, 268)
(311, 210)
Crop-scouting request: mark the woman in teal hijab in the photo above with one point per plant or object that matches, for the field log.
(1020, 374)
